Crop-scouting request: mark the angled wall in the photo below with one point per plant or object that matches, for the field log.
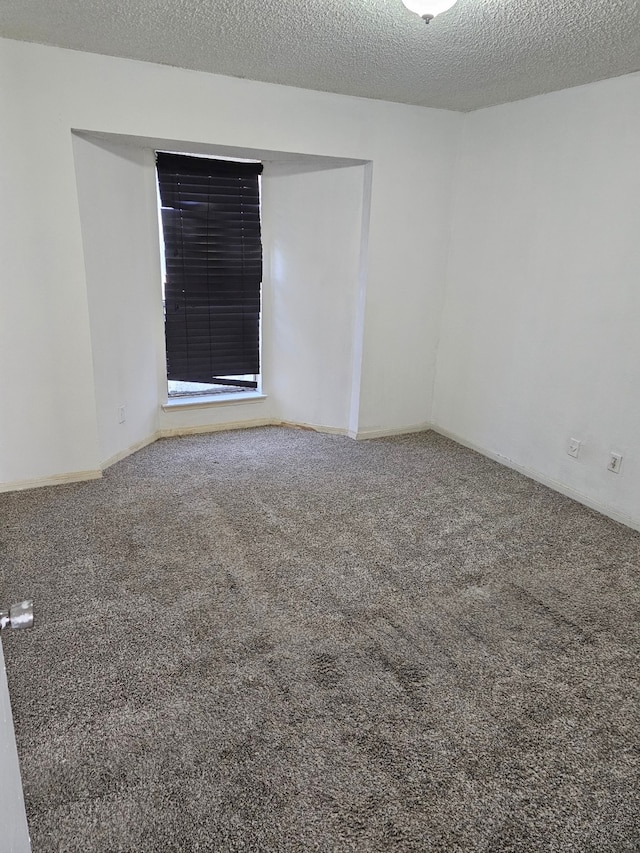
(118, 215)
(312, 221)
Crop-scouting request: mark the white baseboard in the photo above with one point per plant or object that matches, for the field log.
(203, 428)
(178, 431)
(57, 480)
(556, 485)
(365, 434)
(359, 436)
(129, 450)
(312, 427)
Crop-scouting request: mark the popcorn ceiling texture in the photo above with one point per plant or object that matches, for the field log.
(481, 52)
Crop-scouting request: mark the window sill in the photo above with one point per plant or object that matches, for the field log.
(211, 400)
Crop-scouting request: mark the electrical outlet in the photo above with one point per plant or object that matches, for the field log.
(573, 448)
(121, 415)
(615, 463)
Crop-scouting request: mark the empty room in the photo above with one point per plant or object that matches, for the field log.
(320, 432)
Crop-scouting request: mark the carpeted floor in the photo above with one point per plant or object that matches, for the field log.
(275, 640)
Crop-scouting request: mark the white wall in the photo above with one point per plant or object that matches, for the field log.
(48, 421)
(407, 256)
(50, 428)
(539, 339)
(313, 237)
(118, 213)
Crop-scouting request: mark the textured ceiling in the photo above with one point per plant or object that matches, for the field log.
(481, 52)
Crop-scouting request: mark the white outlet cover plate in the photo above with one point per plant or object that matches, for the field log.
(615, 463)
(573, 448)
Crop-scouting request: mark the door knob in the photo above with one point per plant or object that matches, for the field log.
(17, 616)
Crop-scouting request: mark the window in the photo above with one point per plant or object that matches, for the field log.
(210, 213)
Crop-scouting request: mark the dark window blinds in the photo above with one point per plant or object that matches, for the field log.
(213, 254)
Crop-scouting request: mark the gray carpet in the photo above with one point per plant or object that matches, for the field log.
(274, 640)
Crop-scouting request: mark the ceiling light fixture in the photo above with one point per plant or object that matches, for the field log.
(428, 9)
